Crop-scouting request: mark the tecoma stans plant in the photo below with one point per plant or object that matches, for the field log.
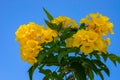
(76, 51)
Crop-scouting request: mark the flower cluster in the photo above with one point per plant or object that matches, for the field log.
(91, 38)
(30, 37)
(66, 22)
(88, 39)
(74, 49)
(98, 23)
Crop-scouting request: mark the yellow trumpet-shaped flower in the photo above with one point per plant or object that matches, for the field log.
(87, 48)
(31, 36)
(69, 42)
(100, 45)
(29, 31)
(88, 41)
(66, 22)
(30, 50)
(107, 40)
(98, 23)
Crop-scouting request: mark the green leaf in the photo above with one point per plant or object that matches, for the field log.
(68, 32)
(61, 73)
(90, 55)
(59, 27)
(31, 70)
(93, 67)
(104, 56)
(91, 75)
(102, 66)
(82, 26)
(97, 56)
(44, 71)
(46, 77)
(71, 77)
(41, 57)
(113, 58)
(60, 57)
(79, 71)
(52, 26)
(101, 75)
(49, 16)
(51, 61)
(87, 62)
(56, 76)
(118, 59)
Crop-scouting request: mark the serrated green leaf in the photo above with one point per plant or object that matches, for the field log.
(96, 70)
(91, 65)
(55, 76)
(101, 75)
(49, 16)
(31, 70)
(102, 66)
(104, 56)
(91, 75)
(113, 58)
(61, 73)
(79, 71)
(97, 56)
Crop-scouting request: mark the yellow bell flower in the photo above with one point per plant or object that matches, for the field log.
(66, 22)
(98, 23)
(69, 42)
(87, 48)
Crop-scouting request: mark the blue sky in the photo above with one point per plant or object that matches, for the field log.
(14, 13)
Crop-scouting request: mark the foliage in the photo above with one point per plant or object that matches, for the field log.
(77, 52)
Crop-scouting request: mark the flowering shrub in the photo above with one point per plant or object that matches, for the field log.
(76, 50)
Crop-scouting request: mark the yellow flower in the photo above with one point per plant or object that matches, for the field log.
(109, 26)
(54, 34)
(84, 35)
(69, 42)
(81, 34)
(92, 36)
(107, 40)
(47, 37)
(29, 31)
(76, 42)
(30, 50)
(100, 45)
(29, 37)
(89, 41)
(98, 23)
(20, 33)
(92, 15)
(87, 48)
(66, 22)
(32, 60)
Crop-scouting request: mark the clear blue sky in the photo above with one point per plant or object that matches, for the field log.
(13, 13)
